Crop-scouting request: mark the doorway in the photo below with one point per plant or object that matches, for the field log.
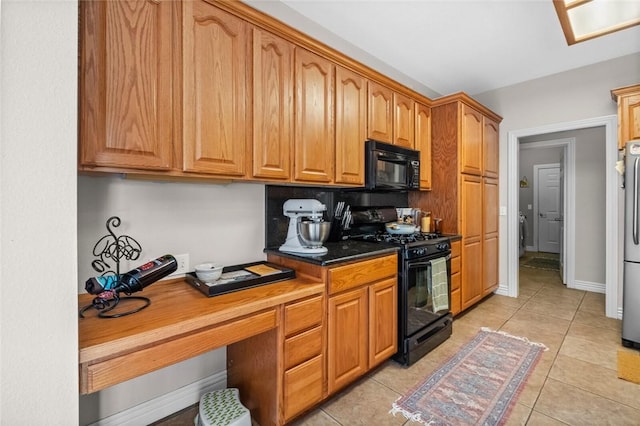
(554, 159)
(613, 249)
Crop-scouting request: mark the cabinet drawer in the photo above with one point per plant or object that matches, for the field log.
(455, 264)
(302, 315)
(455, 281)
(302, 347)
(303, 387)
(455, 248)
(456, 303)
(364, 272)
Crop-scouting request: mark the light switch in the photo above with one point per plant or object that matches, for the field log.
(529, 206)
(503, 210)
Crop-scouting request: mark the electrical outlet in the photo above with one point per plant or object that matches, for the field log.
(183, 264)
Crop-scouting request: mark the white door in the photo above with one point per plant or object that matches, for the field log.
(547, 192)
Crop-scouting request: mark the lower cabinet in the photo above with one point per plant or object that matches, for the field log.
(281, 373)
(383, 321)
(361, 318)
(347, 338)
(356, 332)
(456, 300)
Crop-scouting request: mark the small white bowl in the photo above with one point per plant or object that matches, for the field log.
(208, 272)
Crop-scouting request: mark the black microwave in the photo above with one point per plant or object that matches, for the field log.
(391, 167)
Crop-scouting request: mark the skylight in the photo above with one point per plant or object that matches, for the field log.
(586, 19)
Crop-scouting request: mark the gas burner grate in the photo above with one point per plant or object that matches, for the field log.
(385, 237)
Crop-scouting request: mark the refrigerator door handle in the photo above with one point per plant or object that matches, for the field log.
(635, 201)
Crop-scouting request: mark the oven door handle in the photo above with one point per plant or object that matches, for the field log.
(427, 263)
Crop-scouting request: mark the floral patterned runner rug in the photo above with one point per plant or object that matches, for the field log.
(479, 385)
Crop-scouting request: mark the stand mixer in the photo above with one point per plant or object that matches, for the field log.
(305, 236)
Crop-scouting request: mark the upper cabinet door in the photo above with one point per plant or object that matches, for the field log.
(272, 106)
(351, 126)
(423, 143)
(403, 128)
(314, 138)
(215, 90)
(471, 141)
(629, 118)
(126, 102)
(490, 148)
(380, 113)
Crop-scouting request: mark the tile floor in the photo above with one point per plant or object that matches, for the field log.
(575, 383)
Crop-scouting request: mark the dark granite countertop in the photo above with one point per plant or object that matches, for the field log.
(339, 252)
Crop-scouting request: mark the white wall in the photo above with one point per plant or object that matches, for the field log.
(303, 24)
(224, 223)
(210, 222)
(38, 303)
(580, 94)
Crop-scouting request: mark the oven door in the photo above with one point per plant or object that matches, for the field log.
(424, 302)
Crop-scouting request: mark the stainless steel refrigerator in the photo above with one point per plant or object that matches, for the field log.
(631, 289)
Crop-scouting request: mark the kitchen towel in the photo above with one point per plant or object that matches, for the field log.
(439, 284)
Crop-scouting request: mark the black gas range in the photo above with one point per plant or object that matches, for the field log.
(424, 282)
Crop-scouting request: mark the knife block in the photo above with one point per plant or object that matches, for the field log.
(337, 233)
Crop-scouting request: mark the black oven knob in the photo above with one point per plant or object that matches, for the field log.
(442, 246)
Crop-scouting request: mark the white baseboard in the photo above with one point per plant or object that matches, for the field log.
(589, 286)
(167, 404)
(503, 290)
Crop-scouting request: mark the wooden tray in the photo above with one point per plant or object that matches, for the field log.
(239, 277)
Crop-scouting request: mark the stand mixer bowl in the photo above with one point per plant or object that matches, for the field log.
(313, 233)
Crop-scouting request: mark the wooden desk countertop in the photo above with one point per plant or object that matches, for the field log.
(180, 323)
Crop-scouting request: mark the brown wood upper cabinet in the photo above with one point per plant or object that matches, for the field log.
(217, 90)
(126, 102)
(490, 138)
(314, 137)
(391, 116)
(404, 119)
(216, 94)
(423, 143)
(351, 126)
(272, 105)
(380, 123)
(628, 99)
(471, 140)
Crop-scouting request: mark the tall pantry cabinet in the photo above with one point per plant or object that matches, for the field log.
(464, 190)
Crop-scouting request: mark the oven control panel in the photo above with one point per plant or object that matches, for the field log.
(432, 248)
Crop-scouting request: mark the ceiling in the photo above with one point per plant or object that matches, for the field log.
(471, 46)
